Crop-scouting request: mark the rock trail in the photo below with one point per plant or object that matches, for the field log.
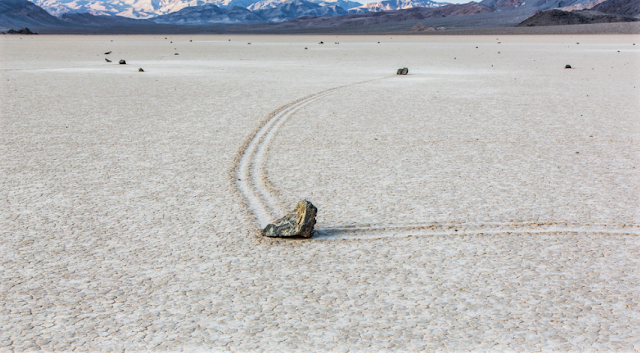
(263, 203)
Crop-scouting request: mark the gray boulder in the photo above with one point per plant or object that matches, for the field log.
(298, 223)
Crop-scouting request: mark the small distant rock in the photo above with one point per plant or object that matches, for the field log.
(402, 71)
(122, 62)
(190, 41)
(176, 54)
(107, 60)
(305, 48)
(107, 53)
(140, 70)
(298, 223)
(321, 42)
(337, 42)
(567, 66)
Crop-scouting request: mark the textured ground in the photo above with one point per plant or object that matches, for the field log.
(454, 211)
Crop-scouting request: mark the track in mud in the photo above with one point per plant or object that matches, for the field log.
(252, 183)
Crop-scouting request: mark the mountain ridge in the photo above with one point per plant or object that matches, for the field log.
(314, 16)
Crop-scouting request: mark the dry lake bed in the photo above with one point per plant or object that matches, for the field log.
(488, 200)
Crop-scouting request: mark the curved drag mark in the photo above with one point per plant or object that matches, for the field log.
(461, 229)
(250, 176)
(250, 173)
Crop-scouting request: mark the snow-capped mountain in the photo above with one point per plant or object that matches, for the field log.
(268, 4)
(390, 5)
(209, 14)
(297, 8)
(126, 8)
(151, 8)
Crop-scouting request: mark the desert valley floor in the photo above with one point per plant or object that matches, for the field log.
(488, 200)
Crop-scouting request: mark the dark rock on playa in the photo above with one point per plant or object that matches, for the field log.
(140, 70)
(122, 62)
(402, 71)
(107, 53)
(107, 60)
(567, 66)
(298, 223)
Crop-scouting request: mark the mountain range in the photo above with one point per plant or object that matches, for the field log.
(339, 16)
(151, 8)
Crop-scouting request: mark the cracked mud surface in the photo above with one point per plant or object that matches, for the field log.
(121, 228)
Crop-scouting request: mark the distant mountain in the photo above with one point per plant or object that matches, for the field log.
(151, 8)
(582, 6)
(274, 12)
(390, 5)
(176, 5)
(22, 13)
(398, 16)
(299, 8)
(502, 5)
(125, 8)
(209, 14)
(89, 20)
(619, 7)
(555, 17)
(268, 4)
(345, 4)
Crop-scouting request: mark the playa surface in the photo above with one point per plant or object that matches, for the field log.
(487, 200)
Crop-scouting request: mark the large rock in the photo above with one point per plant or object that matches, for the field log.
(298, 223)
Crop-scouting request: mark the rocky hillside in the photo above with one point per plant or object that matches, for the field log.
(89, 20)
(557, 17)
(503, 5)
(619, 7)
(22, 13)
